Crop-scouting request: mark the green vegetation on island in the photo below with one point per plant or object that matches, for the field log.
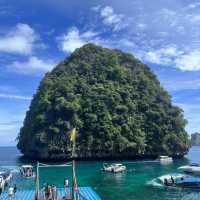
(116, 103)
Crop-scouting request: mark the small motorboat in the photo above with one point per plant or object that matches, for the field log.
(176, 180)
(169, 179)
(5, 177)
(192, 168)
(165, 159)
(27, 171)
(2, 184)
(116, 167)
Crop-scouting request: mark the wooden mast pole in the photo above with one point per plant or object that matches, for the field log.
(73, 169)
(73, 140)
(72, 179)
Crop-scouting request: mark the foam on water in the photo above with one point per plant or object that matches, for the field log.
(154, 183)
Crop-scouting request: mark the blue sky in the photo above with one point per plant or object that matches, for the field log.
(35, 35)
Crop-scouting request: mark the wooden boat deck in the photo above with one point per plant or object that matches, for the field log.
(87, 192)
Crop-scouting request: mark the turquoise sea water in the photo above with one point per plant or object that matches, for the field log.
(130, 185)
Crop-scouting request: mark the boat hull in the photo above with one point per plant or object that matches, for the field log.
(190, 169)
(114, 168)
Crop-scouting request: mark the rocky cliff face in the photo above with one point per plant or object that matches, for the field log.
(116, 103)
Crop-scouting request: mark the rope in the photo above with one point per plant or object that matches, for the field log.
(42, 165)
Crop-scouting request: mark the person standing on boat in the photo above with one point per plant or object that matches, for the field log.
(66, 184)
(172, 179)
(166, 182)
(54, 192)
(49, 192)
(14, 189)
(46, 192)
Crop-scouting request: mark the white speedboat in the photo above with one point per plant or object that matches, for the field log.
(27, 171)
(192, 168)
(170, 178)
(2, 183)
(5, 177)
(176, 180)
(165, 159)
(116, 167)
(166, 180)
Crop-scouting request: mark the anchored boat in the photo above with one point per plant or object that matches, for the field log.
(192, 168)
(5, 177)
(27, 171)
(177, 180)
(116, 167)
(166, 180)
(165, 159)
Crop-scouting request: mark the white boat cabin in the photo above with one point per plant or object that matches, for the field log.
(115, 167)
(27, 171)
(165, 159)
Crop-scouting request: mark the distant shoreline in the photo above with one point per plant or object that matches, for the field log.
(136, 158)
(110, 158)
(9, 147)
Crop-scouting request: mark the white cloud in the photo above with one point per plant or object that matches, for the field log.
(153, 56)
(32, 65)
(194, 5)
(11, 96)
(110, 18)
(20, 40)
(194, 18)
(163, 56)
(74, 39)
(169, 55)
(141, 26)
(71, 40)
(167, 13)
(180, 29)
(189, 61)
(168, 17)
(88, 35)
(96, 8)
(172, 56)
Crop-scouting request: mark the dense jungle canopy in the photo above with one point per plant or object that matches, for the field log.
(114, 100)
